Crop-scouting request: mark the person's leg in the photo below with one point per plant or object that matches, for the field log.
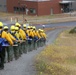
(2, 58)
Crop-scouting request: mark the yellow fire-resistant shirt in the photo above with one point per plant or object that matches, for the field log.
(6, 36)
(38, 35)
(22, 33)
(18, 35)
(13, 39)
(30, 33)
(44, 35)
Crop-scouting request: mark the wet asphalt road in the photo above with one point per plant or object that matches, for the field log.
(68, 24)
(46, 25)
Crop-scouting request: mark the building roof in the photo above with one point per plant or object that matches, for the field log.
(36, 0)
(65, 2)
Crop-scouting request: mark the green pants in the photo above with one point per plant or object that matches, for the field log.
(35, 45)
(16, 52)
(24, 47)
(2, 58)
(38, 43)
(32, 44)
(20, 49)
(29, 46)
(10, 53)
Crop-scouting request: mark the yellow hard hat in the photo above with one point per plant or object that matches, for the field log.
(24, 25)
(42, 30)
(12, 27)
(1, 24)
(16, 28)
(31, 26)
(39, 29)
(34, 27)
(18, 24)
(5, 27)
(28, 27)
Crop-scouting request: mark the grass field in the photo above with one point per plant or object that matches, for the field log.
(58, 58)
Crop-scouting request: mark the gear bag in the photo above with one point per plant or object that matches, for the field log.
(1, 40)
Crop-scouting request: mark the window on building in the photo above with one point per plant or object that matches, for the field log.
(32, 10)
(16, 9)
(21, 9)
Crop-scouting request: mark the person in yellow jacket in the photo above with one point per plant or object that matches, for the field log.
(12, 30)
(6, 30)
(28, 29)
(9, 48)
(17, 34)
(30, 36)
(36, 33)
(43, 35)
(15, 48)
(19, 37)
(23, 35)
(40, 33)
(25, 30)
(2, 53)
(30, 33)
(6, 36)
(35, 37)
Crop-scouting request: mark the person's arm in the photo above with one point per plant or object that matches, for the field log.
(6, 36)
(11, 37)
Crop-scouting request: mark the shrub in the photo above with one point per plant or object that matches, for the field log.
(73, 30)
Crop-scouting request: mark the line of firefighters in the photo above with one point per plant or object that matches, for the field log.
(17, 40)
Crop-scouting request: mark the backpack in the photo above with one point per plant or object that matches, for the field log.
(2, 43)
(1, 40)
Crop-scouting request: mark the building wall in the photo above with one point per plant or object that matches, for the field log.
(44, 8)
(3, 5)
(31, 5)
(11, 4)
(41, 7)
(56, 6)
(49, 7)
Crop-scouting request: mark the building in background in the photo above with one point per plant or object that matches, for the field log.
(41, 7)
(68, 5)
(3, 5)
(73, 4)
(34, 7)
